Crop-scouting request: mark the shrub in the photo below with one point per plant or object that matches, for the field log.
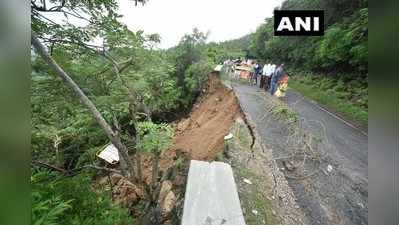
(73, 201)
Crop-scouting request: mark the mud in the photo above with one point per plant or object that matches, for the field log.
(201, 134)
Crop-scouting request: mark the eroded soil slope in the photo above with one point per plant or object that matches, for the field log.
(201, 134)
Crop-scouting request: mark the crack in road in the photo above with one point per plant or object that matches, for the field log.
(336, 195)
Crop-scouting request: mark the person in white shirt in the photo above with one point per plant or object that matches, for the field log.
(267, 71)
(263, 77)
(269, 75)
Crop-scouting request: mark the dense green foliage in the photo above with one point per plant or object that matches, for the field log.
(343, 48)
(72, 201)
(191, 62)
(350, 99)
(65, 135)
(154, 137)
(232, 49)
(163, 83)
(336, 63)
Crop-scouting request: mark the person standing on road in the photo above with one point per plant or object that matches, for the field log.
(252, 74)
(263, 76)
(265, 72)
(278, 73)
(258, 72)
(268, 73)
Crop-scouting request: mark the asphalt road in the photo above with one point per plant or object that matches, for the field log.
(337, 193)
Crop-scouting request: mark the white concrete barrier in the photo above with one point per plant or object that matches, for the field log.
(211, 196)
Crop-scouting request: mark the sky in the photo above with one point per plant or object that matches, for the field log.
(224, 19)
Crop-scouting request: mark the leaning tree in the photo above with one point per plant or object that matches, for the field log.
(75, 24)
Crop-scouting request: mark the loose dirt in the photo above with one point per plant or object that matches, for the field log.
(201, 134)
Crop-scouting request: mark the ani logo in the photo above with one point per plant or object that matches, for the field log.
(298, 22)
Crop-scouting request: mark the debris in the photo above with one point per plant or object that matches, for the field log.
(329, 168)
(182, 125)
(218, 68)
(247, 181)
(109, 154)
(228, 137)
(126, 193)
(289, 165)
(115, 178)
(255, 212)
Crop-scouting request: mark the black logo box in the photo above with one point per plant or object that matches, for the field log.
(291, 14)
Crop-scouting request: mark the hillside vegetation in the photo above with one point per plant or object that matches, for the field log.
(137, 89)
(332, 69)
(135, 86)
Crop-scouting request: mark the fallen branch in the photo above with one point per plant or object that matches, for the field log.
(73, 171)
(49, 166)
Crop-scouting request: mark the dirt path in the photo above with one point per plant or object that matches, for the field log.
(337, 193)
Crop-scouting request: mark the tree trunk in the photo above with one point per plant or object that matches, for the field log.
(139, 171)
(113, 137)
(155, 171)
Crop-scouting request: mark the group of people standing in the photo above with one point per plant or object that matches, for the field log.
(272, 78)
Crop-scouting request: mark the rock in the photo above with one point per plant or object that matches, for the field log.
(115, 178)
(103, 180)
(126, 196)
(165, 189)
(168, 203)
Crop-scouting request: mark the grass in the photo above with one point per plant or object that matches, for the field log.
(252, 196)
(253, 199)
(335, 96)
(284, 113)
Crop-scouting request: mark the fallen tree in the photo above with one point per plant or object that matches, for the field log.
(126, 164)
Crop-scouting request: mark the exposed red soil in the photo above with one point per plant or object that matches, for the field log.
(201, 134)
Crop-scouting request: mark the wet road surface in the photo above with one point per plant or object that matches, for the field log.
(337, 193)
